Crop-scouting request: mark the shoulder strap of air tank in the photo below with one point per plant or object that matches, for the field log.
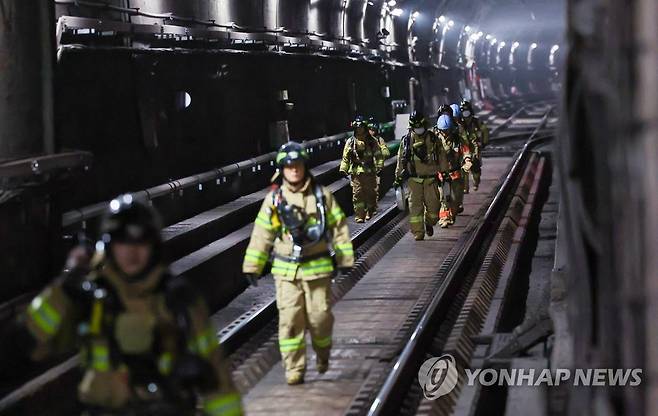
(321, 205)
(409, 155)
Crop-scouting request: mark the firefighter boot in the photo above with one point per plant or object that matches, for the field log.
(429, 230)
(294, 379)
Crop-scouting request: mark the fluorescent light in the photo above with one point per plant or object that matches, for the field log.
(397, 12)
(442, 19)
(392, 3)
(533, 46)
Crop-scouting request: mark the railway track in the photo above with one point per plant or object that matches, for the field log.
(237, 336)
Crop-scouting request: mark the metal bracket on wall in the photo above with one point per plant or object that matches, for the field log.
(80, 30)
(15, 173)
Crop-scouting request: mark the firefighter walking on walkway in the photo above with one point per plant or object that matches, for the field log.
(363, 162)
(451, 185)
(478, 135)
(463, 149)
(298, 223)
(373, 129)
(419, 159)
(146, 344)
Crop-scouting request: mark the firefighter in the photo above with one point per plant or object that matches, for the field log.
(419, 159)
(464, 150)
(446, 109)
(147, 345)
(373, 129)
(478, 134)
(449, 174)
(362, 160)
(298, 223)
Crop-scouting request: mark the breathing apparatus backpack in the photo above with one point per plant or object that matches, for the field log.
(295, 220)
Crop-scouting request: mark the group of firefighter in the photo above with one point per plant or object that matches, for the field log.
(147, 345)
(435, 163)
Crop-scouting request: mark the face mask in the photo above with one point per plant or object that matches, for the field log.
(466, 113)
(419, 130)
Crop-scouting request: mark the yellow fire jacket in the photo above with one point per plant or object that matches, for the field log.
(426, 156)
(362, 156)
(386, 153)
(271, 236)
(118, 319)
(480, 130)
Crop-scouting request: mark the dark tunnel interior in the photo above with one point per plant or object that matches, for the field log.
(160, 97)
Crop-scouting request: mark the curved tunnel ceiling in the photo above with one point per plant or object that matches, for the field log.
(488, 35)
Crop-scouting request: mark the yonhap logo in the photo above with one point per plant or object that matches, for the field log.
(438, 376)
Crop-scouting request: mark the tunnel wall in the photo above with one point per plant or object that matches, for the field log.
(609, 118)
(144, 138)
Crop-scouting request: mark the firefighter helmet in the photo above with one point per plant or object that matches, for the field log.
(416, 120)
(467, 109)
(130, 221)
(373, 125)
(456, 111)
(133, 222)
(444, 122)
(445, 109)
(359, 121)
(289, 153)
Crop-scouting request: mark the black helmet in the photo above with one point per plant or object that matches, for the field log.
(445, 109)
(466, 106)
(416, 120)
(372, 124)
(289, 153)
(130, 221)
(359, 121)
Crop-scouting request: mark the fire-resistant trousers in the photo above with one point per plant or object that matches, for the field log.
(423, 204)
(303, 304)
(364, 194)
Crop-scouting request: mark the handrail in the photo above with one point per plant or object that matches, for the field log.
(189, 182)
